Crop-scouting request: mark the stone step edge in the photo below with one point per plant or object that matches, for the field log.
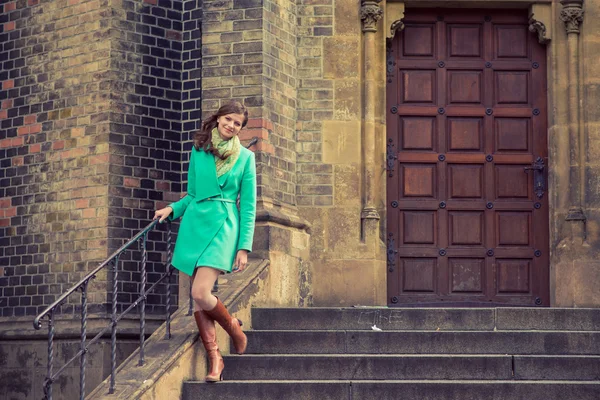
(376, 308)
(406, 381)
(414, 331)
(407, 355)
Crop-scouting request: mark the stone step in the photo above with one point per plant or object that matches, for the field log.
(411, 367)
(479, 319)
(367, 367)
(423, 342)
(392, 390)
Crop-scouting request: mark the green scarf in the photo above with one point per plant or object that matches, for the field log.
(229, 148)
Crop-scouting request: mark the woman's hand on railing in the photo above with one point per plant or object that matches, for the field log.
(162, 214)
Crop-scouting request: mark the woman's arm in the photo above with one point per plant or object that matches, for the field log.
(247, 205)
(180, 206)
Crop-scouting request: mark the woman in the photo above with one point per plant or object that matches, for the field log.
(214, 236)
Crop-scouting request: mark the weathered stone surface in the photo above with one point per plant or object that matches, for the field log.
(23, 366)
(474, 390)
(341, 142)
(342, 61)
(549, 319)
(367, 367)
(575, 368)
(347, 105)
(365, 317)
(389, 391)
(578, 283)
(350, 281)
(419, 364)
(271, 390)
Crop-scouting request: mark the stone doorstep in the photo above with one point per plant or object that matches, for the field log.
(392, 390)
(478, 319)
(133, 381)
(410, 366)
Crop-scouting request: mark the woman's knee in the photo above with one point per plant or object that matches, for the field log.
(201, 293)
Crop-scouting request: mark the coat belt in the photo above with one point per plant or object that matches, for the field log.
(220, 199)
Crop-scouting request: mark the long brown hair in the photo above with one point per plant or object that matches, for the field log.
(202, 138)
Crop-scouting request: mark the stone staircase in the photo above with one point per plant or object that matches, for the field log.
(435, 353)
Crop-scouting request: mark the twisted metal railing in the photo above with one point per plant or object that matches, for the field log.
(113, 263)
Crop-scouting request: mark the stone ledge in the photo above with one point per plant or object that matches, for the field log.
(281, 218)
(70, 327)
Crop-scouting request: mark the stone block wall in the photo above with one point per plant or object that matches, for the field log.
(249, 55)
(345, 269)
(575, 246)
(23, 367)
(315, 102)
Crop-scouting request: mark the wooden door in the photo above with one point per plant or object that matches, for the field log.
(466, 99)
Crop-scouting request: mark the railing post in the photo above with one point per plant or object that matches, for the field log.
(170, 272)
(143, 298)
(83, 339)
(113, 336)
(48, 381)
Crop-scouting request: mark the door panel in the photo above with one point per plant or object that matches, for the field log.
(466, 117)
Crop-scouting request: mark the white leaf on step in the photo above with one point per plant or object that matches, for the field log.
(375, 328)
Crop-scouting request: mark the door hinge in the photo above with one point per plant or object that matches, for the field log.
(391, 158)
(391, 253)
(390, 62)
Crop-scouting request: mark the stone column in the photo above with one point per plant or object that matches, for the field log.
(370, 14)
(572, 16)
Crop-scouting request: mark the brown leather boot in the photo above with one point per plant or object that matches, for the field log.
(231, 325)
(208, 334)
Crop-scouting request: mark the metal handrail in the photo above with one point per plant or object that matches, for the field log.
(82, 285)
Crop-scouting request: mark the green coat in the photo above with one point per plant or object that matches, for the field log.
(212, 229)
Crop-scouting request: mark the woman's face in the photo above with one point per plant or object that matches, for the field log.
(229, 125)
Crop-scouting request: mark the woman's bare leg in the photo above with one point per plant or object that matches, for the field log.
(203, 281)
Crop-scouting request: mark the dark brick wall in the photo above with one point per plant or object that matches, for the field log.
(97, 104)
(145, 132)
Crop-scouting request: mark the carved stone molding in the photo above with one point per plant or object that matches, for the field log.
(394, 13)
(572, 15)
(370, 13)
(540, 21)
(540, 28)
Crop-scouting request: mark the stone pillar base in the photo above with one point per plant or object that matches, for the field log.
(283, 238)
